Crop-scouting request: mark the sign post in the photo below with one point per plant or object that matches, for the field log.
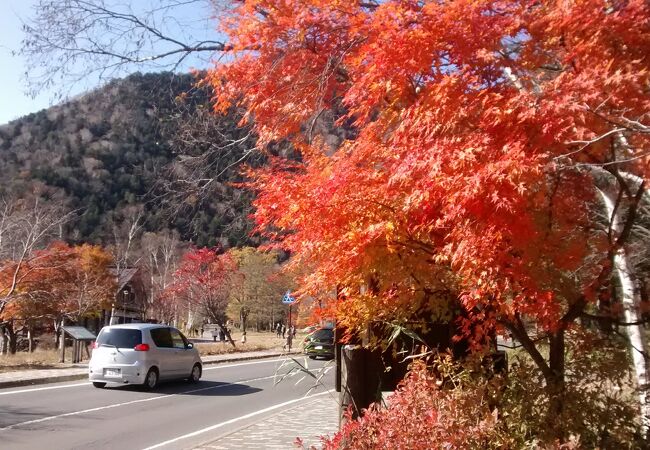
(288, 299)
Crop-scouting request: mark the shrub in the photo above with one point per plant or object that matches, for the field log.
(426, 412)
(449, 405)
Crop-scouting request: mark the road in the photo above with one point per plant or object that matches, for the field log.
(176, 415)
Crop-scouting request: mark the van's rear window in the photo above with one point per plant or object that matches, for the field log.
(119, 337)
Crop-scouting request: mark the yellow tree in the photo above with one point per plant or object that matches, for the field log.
(258, 287)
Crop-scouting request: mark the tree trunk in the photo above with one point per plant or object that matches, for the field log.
(635, 335)
(30, 336)
(630, 301)
(3, 340)
(555, 385)
(227, 334)
(57, 332)
(62, 341)
(242, 318)
(11, 333)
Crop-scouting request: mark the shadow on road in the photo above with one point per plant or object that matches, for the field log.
(202, 388)
(10, 414)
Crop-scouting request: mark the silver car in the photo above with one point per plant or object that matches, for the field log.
(142, 354)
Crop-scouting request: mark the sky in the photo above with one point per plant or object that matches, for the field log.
(14, 102)
(194, 20)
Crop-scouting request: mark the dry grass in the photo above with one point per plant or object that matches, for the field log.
(38, 359)
(255, 341)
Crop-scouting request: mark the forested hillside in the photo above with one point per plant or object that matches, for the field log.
(129, 149)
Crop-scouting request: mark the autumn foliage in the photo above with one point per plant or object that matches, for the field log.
(61, 281)
(49, 286)
(454, 162)
(480, 132)
(451, 418)
(202, 284)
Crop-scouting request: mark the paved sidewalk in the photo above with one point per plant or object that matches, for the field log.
(308, 421)
(80, 371)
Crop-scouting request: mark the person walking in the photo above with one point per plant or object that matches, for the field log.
(284, 331)
(289, 338)
(278, 330)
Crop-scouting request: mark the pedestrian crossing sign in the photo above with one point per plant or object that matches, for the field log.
(288, 299)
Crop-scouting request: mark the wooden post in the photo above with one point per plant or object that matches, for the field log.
(360, 380)
(338, 334)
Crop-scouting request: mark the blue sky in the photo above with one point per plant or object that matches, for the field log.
(14, 102)
(193, 20)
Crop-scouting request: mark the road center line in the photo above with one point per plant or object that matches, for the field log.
(132, 402)
(224, 366)
(236, 419)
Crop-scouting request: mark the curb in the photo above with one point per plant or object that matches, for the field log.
(34, 381)
(81, 376)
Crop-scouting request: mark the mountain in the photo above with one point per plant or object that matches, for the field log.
(137, 146)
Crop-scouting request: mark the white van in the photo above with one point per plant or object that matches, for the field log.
(142, 353)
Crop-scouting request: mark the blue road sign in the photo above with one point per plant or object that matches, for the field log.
(287, 299)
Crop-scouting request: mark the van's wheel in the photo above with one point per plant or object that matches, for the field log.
(195, 376)
(312, 356)
(99, 384)
(151, 380)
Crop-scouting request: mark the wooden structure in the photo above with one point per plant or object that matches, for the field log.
(128, 305)
(130, 298)
(80, 338)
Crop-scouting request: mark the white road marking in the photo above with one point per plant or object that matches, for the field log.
(116, 405)
(224, 366)
(44, 388)
(236, 419)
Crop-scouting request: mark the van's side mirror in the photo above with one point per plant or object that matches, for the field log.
(189, 345)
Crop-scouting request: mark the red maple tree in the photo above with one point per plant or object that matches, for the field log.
(481, 138)
(202, 283)
(57, 283)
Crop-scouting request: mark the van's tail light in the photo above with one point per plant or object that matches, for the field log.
(95, 344)
(141, 348)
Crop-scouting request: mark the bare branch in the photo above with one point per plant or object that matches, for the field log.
(69, 41)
